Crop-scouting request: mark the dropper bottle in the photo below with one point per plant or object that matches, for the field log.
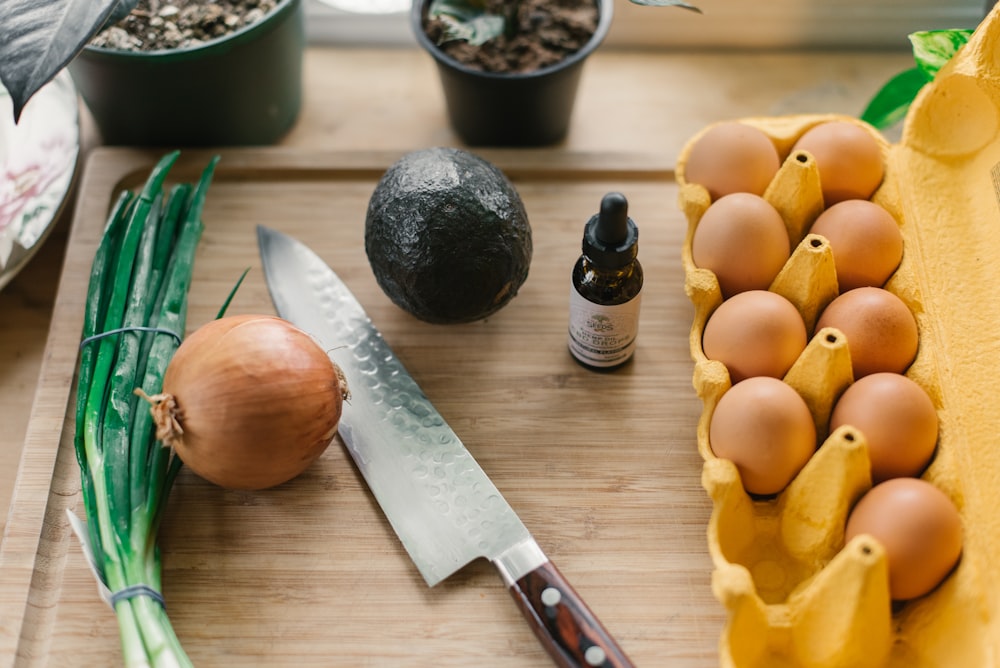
(606, 291)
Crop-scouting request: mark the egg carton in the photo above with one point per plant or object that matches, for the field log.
(795, 593)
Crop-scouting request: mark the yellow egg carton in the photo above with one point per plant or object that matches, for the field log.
(795, 594)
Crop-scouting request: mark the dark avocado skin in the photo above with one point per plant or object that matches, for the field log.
(447, 236)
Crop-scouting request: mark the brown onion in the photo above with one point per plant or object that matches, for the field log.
(249, 401)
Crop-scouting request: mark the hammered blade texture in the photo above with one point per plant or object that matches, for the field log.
(438, 499)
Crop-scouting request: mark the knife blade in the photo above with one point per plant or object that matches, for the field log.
(440, 502)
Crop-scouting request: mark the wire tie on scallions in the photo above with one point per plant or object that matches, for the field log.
(136, 590)
(119, 330)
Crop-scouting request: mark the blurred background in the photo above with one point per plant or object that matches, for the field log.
(725, 24)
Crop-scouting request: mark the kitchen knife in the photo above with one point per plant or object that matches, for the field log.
(439, 501)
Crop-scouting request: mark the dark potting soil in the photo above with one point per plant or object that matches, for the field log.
(548, 32)
(171, 24)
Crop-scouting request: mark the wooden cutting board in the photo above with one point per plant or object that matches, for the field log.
(603, 468)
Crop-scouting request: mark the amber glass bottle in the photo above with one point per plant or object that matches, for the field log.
(607, 288)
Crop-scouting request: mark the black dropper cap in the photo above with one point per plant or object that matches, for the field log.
(611, 238)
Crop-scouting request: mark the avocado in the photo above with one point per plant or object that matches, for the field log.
(447, 236)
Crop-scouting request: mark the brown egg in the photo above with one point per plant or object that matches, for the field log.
(732, 157)
(865, 240)
(765, 428)
(880, 329)
(898, 420)
(848, 157)
(918, 526)
(742, 239)
(755, 333)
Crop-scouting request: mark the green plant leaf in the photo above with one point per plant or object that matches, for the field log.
(467, 20)
(463, 9)
(666, 3)
(42, 36)
(933, 48)
(892, 101)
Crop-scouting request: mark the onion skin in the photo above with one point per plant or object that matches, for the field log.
(249, 401)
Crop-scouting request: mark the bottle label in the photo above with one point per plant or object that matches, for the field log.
(602, 335)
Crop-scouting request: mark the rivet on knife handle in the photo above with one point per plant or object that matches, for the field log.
(566, 627)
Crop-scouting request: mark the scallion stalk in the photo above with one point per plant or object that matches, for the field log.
(135, 316)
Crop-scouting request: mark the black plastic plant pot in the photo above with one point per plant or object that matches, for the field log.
(502, 109)
(242, 89)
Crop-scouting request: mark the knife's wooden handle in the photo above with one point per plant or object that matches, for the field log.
(569, 631)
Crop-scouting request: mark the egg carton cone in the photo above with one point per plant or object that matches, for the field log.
(795, 591)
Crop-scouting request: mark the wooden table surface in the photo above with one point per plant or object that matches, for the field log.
(645, 103)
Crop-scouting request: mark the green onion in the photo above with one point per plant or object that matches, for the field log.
(139, 284)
